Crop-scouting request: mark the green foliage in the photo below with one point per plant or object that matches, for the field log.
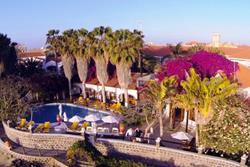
(24, 163)
(229, 129)
(47, 85)
(133, 117)
(126, 46)
(204, 93)
(78, 151)
(29, 67)
(85, 151)
(150, 63)
(156, 93)
(8, 57)
(12, 97)
(202, 47)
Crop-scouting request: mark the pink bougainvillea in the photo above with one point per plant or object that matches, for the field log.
(177, 67)
(205, 63)
(209, 64)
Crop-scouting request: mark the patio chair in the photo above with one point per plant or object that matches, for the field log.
(106, 130)
(30, 123)
(39, 128)
(89, 129)
(74, 126)
(115, 131)
(85, 124)
(100, 130)
(46, 127)
(21, 124)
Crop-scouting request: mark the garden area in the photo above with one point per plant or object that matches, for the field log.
(200, 87)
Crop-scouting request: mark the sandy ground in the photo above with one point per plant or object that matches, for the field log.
(5, 161)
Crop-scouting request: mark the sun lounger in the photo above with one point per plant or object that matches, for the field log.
(100, 130)
(39, 128)
(106, 130)
(115, 131)
(46, 127)
(85, 124)
(21, 124)
(89, 129)
(74, 126)
(30, 123)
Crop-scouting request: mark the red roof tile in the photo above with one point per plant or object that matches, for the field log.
(243, 76)
(31, 54)
(239, 52)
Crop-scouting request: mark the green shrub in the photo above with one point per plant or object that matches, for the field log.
(85, 151)
(24, 163)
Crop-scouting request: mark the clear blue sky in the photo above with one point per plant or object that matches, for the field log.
(162, 21)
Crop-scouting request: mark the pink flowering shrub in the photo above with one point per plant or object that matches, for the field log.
(209, 64)
(177, 67)
(205, 63)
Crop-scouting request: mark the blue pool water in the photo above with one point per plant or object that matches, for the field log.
(49, 112)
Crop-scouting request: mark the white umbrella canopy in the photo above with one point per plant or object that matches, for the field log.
(91, 118)
(182, 136)
(65, 118)
(76, 118)
(110, 119)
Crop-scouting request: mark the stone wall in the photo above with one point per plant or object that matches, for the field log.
(49, 161)
(41, 140)
(159, 156)
(149, 154)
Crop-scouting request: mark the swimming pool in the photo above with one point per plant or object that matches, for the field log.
(48, 112)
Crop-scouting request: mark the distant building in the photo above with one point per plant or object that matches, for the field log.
(216, 40)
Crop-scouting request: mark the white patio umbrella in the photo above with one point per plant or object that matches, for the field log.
(91, 118)
(110, 119)
(182, 136)
(76, 118)
(60, 110)
(65, 118)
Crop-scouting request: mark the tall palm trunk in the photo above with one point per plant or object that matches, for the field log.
(160, 121)
(148, 127)
(103, 94)
(84, 90)
(197, 132)
(126, 97)
(124, 78)
(82, 68)
(68, 64)
(70, 93)
(102, 74)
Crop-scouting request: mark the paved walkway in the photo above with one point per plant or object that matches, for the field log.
(5, 161)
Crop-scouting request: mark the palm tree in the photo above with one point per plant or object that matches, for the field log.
(66, 50)
(196, 48)
(98, 45)
(157, 94)
(81, 53)
(8, 57)
(52, 40)
(176, 51)
(126, 46)
(202, 95)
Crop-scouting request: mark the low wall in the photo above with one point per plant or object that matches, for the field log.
(41, 140)
(159, 156)
(149, 154)
(49, 161)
